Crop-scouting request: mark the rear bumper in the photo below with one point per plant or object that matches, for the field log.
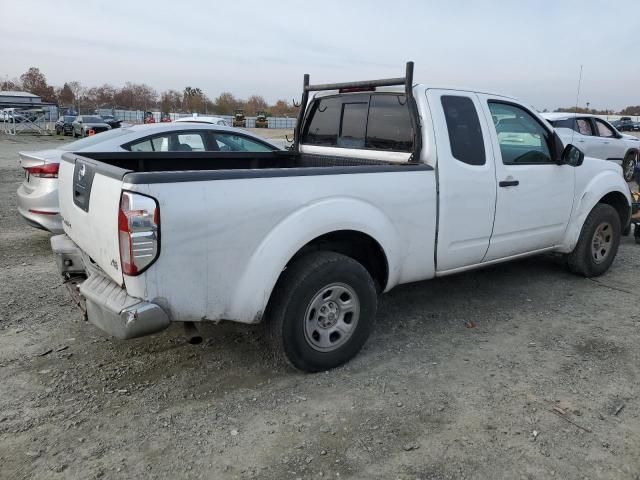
(43, 200)
(107, 305)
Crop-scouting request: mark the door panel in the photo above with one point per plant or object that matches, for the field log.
(534, 196)
(466, 177)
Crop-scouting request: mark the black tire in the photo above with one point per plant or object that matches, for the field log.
(628, 165)
(583, 260)
(304, 281)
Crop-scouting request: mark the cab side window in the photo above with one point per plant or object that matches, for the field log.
(523, 140)
(463, 125)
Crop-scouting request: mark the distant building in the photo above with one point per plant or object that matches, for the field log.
(12, 99)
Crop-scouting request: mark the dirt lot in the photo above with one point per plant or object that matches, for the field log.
(546, 384)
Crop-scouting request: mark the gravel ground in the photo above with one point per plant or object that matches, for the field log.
(517, 371)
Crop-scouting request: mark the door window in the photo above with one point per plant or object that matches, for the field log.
(522, 139)
(237, 143)
(604, 130)
(584, 126)
(463, 125)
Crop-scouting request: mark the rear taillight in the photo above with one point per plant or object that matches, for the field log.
(49, 170)
(138, 232)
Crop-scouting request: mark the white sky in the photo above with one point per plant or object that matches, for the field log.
(531, 49)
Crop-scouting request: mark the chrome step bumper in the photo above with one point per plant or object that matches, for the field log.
(107, 305)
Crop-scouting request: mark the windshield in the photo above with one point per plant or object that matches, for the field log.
(94, 139)
(92, 120)
(69, 118)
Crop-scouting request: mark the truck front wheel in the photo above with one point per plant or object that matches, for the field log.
(598, 242)
(322, 311)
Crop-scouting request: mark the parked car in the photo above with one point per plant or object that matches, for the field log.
(85, 125)
(626, 124)
(112, 121)
(597, 138)
(64, 125)
(165, 118)
(204, 119)
(38, 194)
(306, 239)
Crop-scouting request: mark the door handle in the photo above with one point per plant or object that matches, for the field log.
(509, 183)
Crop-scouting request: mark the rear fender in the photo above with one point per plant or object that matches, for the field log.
(294, 232)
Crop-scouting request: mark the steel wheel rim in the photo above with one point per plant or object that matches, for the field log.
(331, 317)
(601, 243)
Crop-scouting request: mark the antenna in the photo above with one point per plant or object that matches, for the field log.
(575, 113)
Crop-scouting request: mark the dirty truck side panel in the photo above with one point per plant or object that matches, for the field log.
(220, 258)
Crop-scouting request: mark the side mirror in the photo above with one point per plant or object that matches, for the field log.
(572, 155)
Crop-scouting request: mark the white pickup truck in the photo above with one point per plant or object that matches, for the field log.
(386, 183)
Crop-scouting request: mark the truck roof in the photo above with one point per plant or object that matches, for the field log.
(417, 86)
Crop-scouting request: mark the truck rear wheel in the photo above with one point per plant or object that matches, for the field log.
(322, 311)
(598, 242)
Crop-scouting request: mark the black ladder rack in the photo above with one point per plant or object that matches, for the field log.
(407, 81)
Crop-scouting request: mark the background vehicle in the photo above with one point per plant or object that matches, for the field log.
(238, 119)
(112, 121)
(165, 118)
(83, 125)
(148, 118)
(366, 199)
(204, 119)
(261, 120)
(597, 138)
(64, 125)
(626, 124)
(38, 194)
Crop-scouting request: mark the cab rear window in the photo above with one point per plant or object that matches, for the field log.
(360, 121)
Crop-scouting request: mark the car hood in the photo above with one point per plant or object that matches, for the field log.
(630, 137)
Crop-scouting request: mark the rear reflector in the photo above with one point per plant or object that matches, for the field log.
(138, 232)
(49, 170)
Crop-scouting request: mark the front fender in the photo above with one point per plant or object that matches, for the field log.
(600, 185)
(295, 231)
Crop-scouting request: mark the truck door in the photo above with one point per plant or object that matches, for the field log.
(535, 195)
(466, 178)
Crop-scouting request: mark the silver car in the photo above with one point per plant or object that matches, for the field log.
(85, 125)
(38, 194)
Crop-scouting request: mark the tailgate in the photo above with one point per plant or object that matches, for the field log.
(89, 195)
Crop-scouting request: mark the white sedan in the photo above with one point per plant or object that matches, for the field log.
(38, 194)
(597, 138)
(204, 119)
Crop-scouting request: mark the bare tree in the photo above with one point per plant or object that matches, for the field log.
(65, 96)
(35, 82)
(170, 101)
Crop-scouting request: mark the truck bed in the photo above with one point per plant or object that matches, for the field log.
(161, 167)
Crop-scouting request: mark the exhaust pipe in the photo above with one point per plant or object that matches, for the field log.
(192, 333)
